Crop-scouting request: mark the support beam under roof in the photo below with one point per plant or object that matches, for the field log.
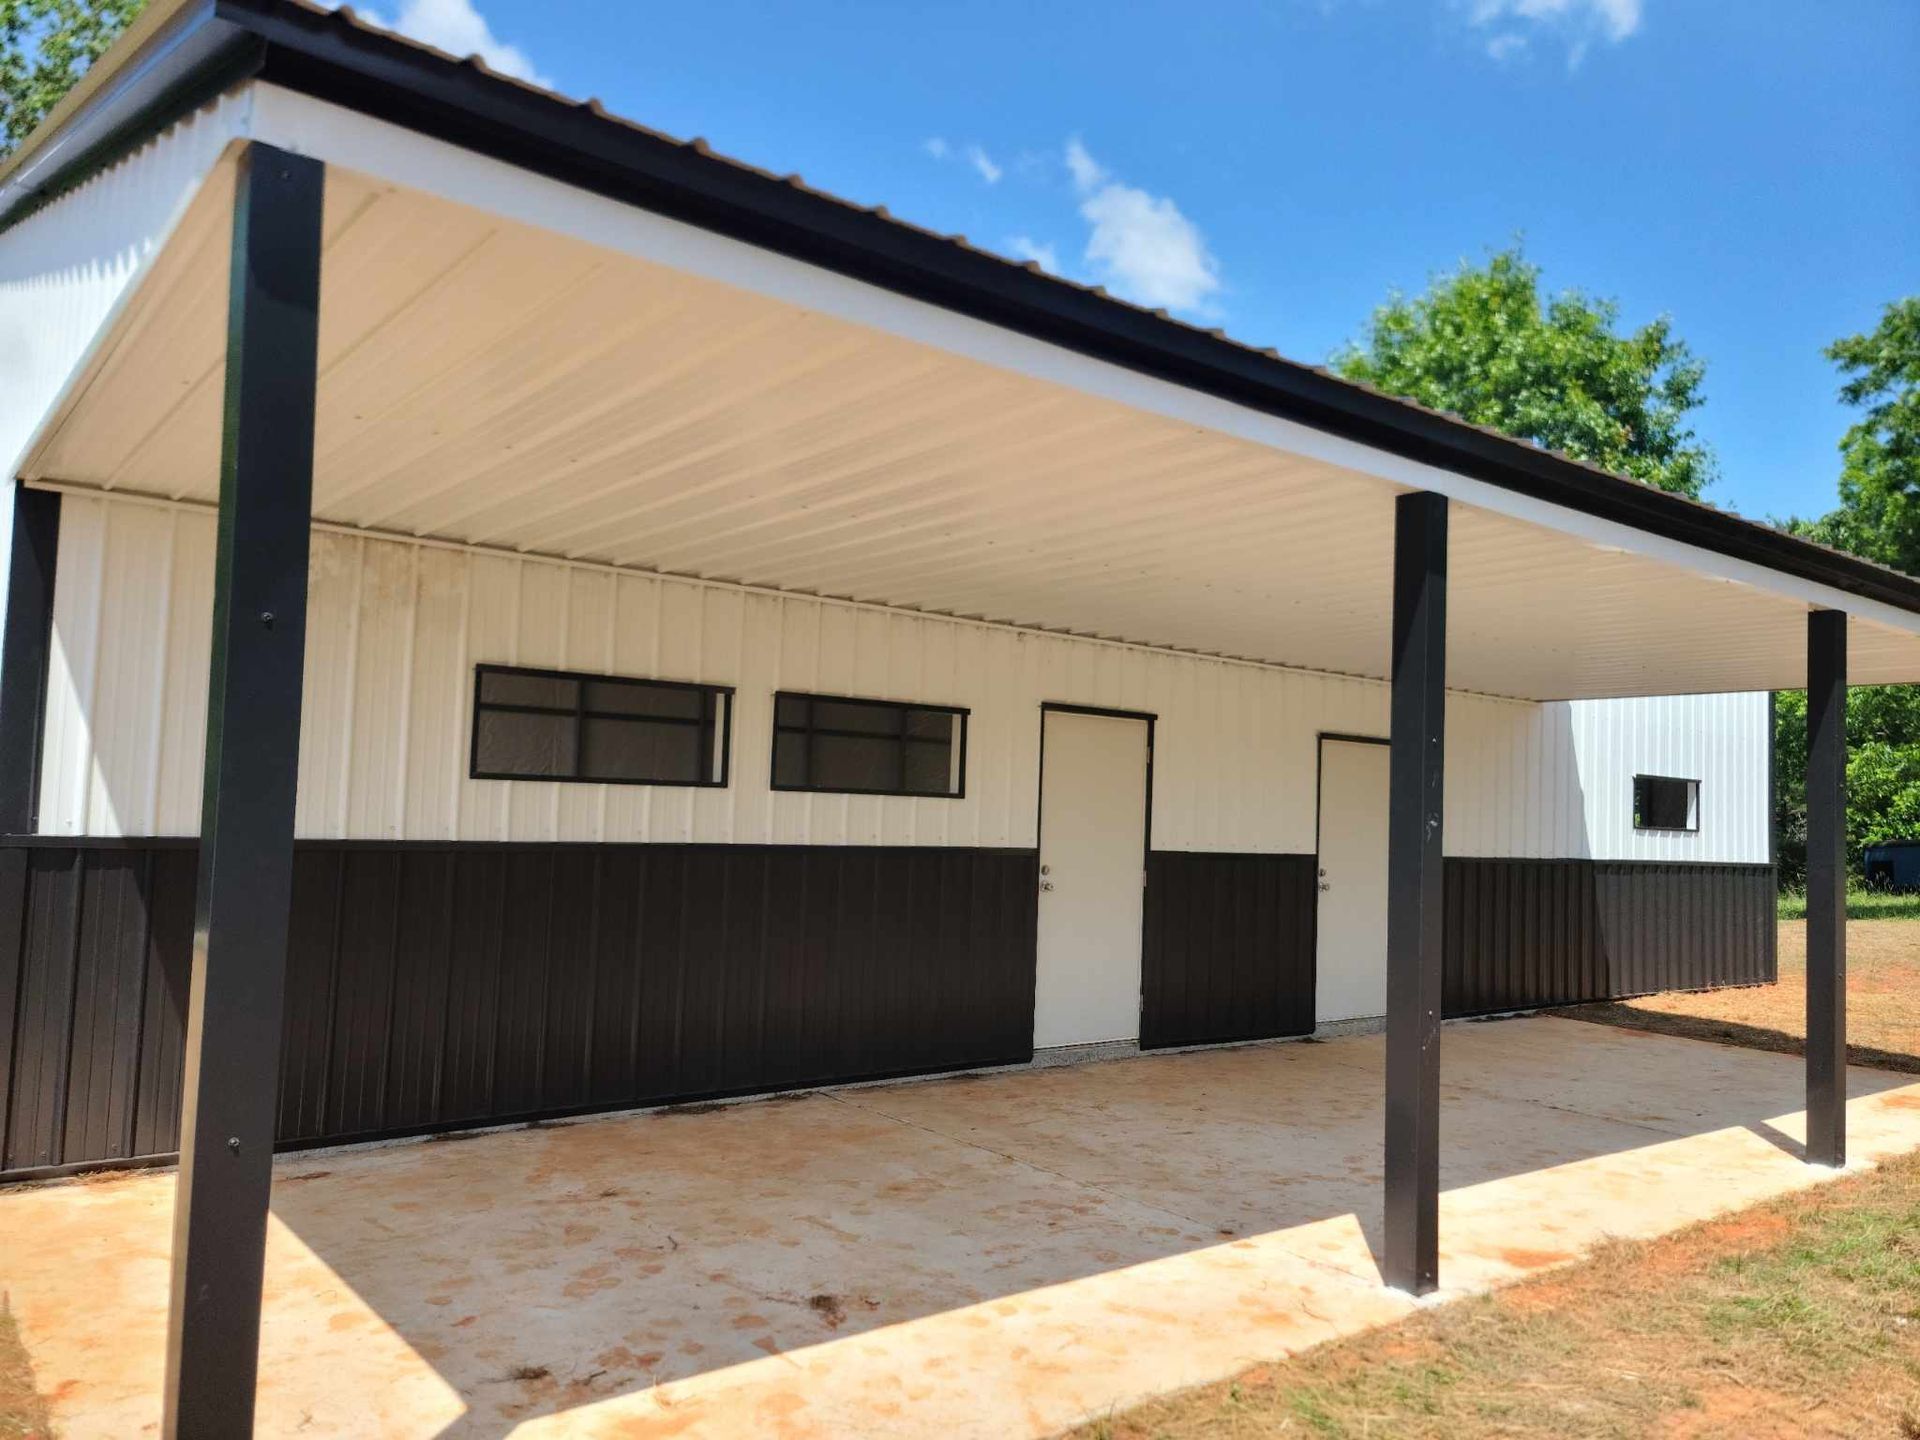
(246, 828)
(1415, 891)
(1827, 887)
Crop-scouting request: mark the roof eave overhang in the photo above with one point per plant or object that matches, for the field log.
(174, 57)
(203, 46)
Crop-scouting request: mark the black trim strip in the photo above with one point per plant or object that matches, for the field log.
(26, 649)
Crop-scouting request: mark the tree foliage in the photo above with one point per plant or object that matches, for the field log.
(1879, 512)
(1883, 772)
(1483, 344)
(1878, 517)
(45, 47)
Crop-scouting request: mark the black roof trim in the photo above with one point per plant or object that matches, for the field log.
(332, 56)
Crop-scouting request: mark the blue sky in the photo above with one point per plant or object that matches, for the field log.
(1750, 167)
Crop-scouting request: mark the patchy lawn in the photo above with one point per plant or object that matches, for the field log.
(1883, 1000)
(1861, 905)
(1798, 1317)
(23, 1410)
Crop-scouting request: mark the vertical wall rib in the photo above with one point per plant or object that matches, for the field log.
(431, 986)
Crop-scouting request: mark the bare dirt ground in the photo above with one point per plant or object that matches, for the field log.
(1800, 1317)
(1883, 1001)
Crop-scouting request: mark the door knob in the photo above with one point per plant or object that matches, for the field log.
(1046, 884)
(1326, 885)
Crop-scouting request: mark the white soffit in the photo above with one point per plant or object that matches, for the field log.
(486, 381)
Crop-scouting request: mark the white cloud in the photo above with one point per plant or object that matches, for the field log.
(1025, 247)
(457, 28)
(1578, 23)
(1507, 45)
(983, 163)
(938, 147)
(1088, 173)
(1140, 245)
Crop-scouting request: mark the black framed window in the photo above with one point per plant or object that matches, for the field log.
(607, 729)
(868, 747)
(1662, 802)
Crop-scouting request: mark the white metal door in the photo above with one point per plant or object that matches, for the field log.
(1093, 815)
(1350, 959)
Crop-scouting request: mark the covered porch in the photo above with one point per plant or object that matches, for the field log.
(988, 1256)
(593, 347)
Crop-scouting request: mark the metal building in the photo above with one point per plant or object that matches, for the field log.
(511, 615)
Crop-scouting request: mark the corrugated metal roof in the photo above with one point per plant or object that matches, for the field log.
(502, 384)
(399, 68)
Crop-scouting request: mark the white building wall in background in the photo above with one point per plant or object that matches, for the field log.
(396, 627)
(1723, 741)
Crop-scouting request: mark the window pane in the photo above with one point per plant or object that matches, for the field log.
(509, 742)
(530, 725)
(854, 716)
(624, 697)
(929, 769)
(507, 687)
(841, 763)
(790, 760)
(830, 743)
(931, 724)
(645, 750)
(1661, 803)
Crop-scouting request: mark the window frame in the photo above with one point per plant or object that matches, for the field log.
(1693, 806)
(961, 712)
(724, 695)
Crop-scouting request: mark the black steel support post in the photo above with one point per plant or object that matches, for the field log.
(246, 820)
(1417, 735)
(1827, 887)
(25, 650)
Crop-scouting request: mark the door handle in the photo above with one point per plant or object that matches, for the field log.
(1046, 884)
(1326, 885)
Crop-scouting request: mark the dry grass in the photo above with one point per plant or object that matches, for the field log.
(1883, 1001)
(23, 1410)
(1799, 1317)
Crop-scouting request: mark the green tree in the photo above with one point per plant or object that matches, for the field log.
(1879, 511)
(46, 46)
(1878, 517)
(1483, 344)
(1883, 772)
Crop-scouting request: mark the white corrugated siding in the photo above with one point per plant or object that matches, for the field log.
(395, 629)
(65, 270)
(1720, 740)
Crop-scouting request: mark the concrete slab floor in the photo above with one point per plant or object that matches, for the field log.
(983, 1256)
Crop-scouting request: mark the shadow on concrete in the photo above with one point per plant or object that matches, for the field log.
(1727, 1032)
(541, 1270)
